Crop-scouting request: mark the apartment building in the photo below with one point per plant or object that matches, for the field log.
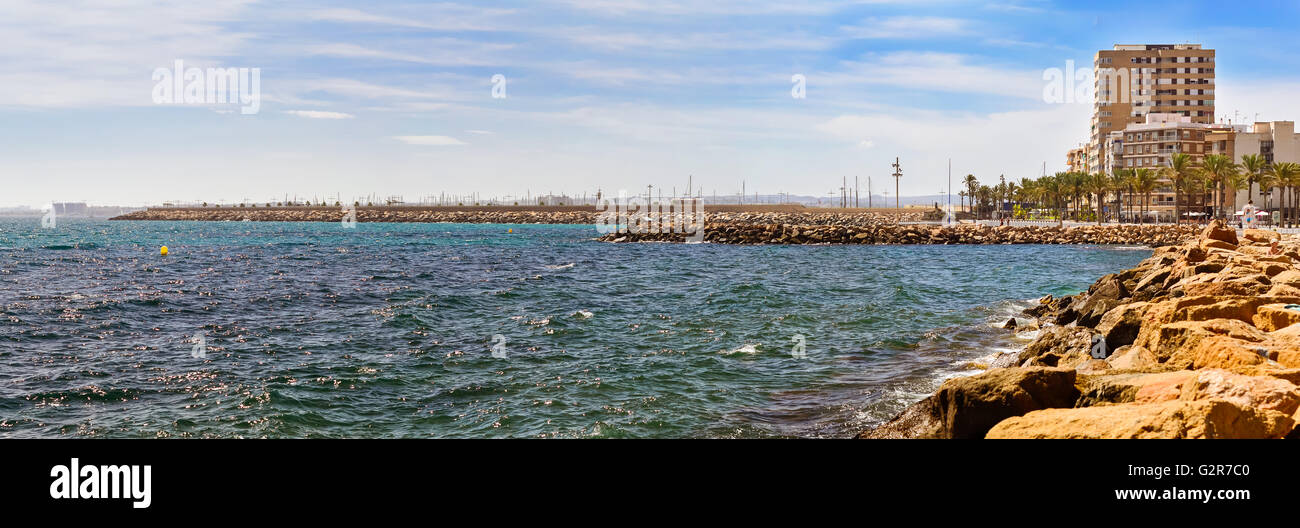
(1076, 160)
(1150, 145)
(1274, 141)
(1135, 80)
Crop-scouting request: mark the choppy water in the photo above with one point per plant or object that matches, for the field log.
(387, 330)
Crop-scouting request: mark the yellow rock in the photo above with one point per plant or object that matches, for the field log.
(1225, 353)
(1170, 419)
(1272, 317)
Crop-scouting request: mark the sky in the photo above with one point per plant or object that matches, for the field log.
(398, 98)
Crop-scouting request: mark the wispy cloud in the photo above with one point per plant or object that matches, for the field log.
(317, 114)
(430, 141)
(907, 27)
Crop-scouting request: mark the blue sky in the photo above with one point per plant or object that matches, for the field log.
(396, 97)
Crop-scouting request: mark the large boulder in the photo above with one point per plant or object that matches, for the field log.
(1132, 387)
(968, 407)
(1175, 343)
(1259, 392)
(1261, 236)
(1058, 346)
(1272, 317)
(1226, 352)
(1217, 231)
(1120, 325)
(1169, 419)
(1106, 294)
(1132, 358)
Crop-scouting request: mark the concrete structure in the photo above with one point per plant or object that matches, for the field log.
(1275, 141)
(1134, 80)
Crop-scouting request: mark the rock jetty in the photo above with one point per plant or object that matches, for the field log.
(1198, 341)
(503, 215)
(717, 215)
(895, 233)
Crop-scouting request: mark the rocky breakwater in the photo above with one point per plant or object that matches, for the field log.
(367, 214)
(774, 229)
(1201, 340)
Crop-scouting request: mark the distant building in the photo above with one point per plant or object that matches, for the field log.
(1076, 160)
(71, 209)
(1274, 141)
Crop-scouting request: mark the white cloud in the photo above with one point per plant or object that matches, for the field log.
(906, 27)
(940, 72)
(317, 114)
(430, 141)
(437, 17)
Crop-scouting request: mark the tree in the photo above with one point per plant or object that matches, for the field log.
(972, 186)
(1180, 166)
(1219, 171)
(1287, 175)
(1097, 185)
(1145, 182)
(1253, 166)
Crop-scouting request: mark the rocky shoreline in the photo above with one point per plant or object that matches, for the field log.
(1200, 341)
(894, 233)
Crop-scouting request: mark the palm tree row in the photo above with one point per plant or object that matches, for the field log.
(1082, 196)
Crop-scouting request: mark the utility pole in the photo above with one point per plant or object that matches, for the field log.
(868, 192)
(898, 174)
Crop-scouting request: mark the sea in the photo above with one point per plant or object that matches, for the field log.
(392, 330)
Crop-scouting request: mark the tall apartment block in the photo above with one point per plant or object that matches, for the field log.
(1134, 80)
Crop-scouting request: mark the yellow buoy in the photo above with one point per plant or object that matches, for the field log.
(163, 251)
(510, 230)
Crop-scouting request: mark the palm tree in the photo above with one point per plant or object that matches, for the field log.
(1253, 165)
(1267, 182)
(1097, 185)
(1145, 181)
(972, 185)
(962, 194)
(1180, 166)
(1236, 181)
(1288, 177)
(1218, 169)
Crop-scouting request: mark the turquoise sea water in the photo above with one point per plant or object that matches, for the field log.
(387, 330)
